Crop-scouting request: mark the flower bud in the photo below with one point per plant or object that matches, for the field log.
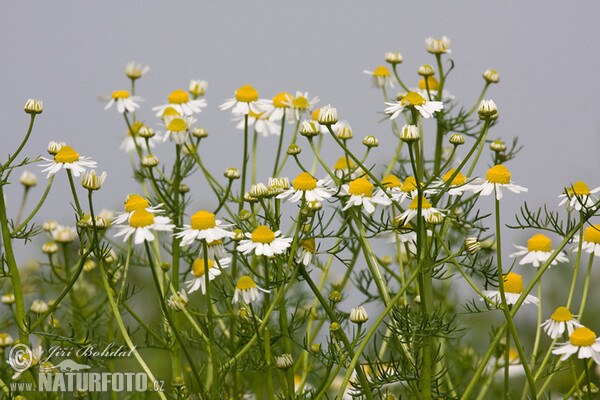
(457, 139)
(259, 190)
(344, 131)
(472, 245)
(335, 296)
(437, 46)
(49, 248)
(183, 188)
(5, 340)
(149, 161)
(284, 361)
(232, 173)
(248, 198)
(244, 215)
(280, 184)
(315, 347)
(309, 128)
(135, 71)
(334, 327)
(89, 265)
(487, 109)
(371, 141)
(393, 57)
(145, 132)
(498, 145)
(197, 88)
(91, 181)
(435, 218)
(178, 301)
(426, 70)
(294, 150)
(49, 226)
(54, 147)
(165, 266)
(328, 115)
(358, 315)
(199, 132)
(410, 133)
(39, 306)
(34, 106)
(28, 179)
(8, 299)
(238, 234)
(491, 76)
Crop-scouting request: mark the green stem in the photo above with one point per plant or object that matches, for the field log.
(245, 163)
(586, 285)
(25, 139)
(279, 146)
(36, 209)
(577, 262)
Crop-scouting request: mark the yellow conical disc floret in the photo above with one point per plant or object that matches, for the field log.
(391, 181)
(300, 102)
(410, 184)
(513, 283)
(361, 187)
(412, 99)
(458, 180)
(431, 82)
(135, 201)
(177, 125)
(315, 114)
(120, 94)
(592, 234)
(562, 314)
(583, 337)
(141, 218)
(498, 174)
(66, 154)
(170, 111)
(539, 243)
(304, 181)
(245, 283)
(263, 234)
(178, 97)
(203, 220)
(199, 266)
(309, 245)
(246, 94)
(342, 163)
(414, 204)
(278, 101)
(381, 71)
(579, 188)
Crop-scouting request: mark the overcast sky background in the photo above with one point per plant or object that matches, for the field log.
(69, 53)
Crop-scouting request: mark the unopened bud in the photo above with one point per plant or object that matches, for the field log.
(393, 57)
(309, 128)
(149, 161)
(371, 141)
(34, 106)
(410, 133)
(328, 115)
(335, 296)
(294, 150)
(358, 315)
(284, 361)
(487, 109)
(498, 145)
(491, 76)
(426, 70)
(472, 245)
(199, 132)
(232, 173)
(457, 139)
(344, 131)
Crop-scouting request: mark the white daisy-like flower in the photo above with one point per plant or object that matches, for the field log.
(513, 288)
(437, 46)
(180, 101)
(204, 227)
(177, 128)
(299, 105)
(582, 341)
(247, 289)
(197, 87)
(67, 158)
(279, 106)
(408, 190)
(261, 123)
(591, 240)
(198, 280)
(434, 86)
(64, 234)
(343, 167)
(135, 70)
(578, 196)
(427, 211)
(382, 77)
(403, 233)
(304, 185)
(455, 187)
(361, 194)
(134, 202)
(125, 102)
(141, 224)
(132, 141)
(560, 320)
(30, 359)
(178, 301)
(306, 251)
(245, 100)
(263, 241)
(418, 102)
(393, 187)
(215, 250)
(497, 177)
(537, 252)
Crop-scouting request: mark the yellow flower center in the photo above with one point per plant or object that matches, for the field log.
(300, 102)
(215, 242)
(562, 314)
(120, 94)
(179, 97)
(498, 174)
(342, 163)
(203, 220)
(583, 337)
(177, 125)
(245, 283)
(539, 243)
(579, 188)
(391, 181)
(410, 184)
(458, 180)
(246, 94)
(278, 101)
(315, 114)
(431, 82)
(66, 154)
(141, 218)
(412, 99)
(309, 245)
(170, 111)
(513, 355)
(304, 181)
(135, 128)
(381, 71)
(361, 187)
(414, 204)
(263, 234)
(199, 266)
(135, 201)
(513, 283)
(592, 234)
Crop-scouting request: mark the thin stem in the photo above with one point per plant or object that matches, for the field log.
(25, 139)
(36, 209)
(279, 145)
(75, 198)
(586, 286)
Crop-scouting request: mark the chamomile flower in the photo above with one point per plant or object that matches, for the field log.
(215, 250)
(280, 106)
(261, 123)
(204, 226)
(263, 241)
(306, 251)
(30, 359)
(497, 177)
(125, 102)
(245, 100)
(64, 234)
(247, 289)
(382, 78)
(134, 202)
(141, 224)
(393, 187)
(427, 211)
(582, 341)
(304, 185)
(408, 190)
(198, 280)
(591, 240)
(343, 166)
(538, 250)
(416, 101)
(437, 46)
(180, 101)
(132, 141)
(403, 233)
(434, 86)
(455, 187)
(177, 128)
(560, 320)
(513, 288)
(361, 193)
(578, 196)
(67, 158)
(299, 105)
(135, 70)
